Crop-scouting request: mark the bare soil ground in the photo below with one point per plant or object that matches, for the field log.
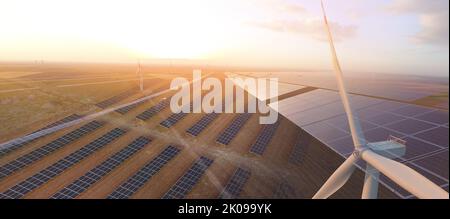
(25, 111)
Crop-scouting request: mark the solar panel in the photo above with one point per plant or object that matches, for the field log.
(437, 136)
(189, 179)
(299, 150)
(410, 126)
(47, 149)
(264, 138)
(124, 110)
(341, 122)
(135, 182)
(437, 163)
(196, 129)
(235, 185)
(232, 130)
(15, 145)
(284, 191)
(325, 132)
(411, 110)
(115, 99)
(96, 174)
(45, 175)
(436, 117)
(146, 115)
(385, 119)
(318, 105)
(174, 118)
(342, 146)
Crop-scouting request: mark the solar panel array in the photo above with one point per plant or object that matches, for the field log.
(96, 174)
(189, 179)
(115, 99)
(49, 148)
(235, 185)
(196, 129)
(45, 175)
(232, 130)
(264, 138)
(174, 118)
(146, 115)
(425, 130)
(124, 110)
(135, 182)
(15, 145)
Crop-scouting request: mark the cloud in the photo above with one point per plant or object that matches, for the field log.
(309, 27)
(294, 18)
(293, 8)
(433, 19)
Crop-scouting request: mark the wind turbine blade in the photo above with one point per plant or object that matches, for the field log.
(370, 188)
(338, 179)
(355, 127)
(404, 176)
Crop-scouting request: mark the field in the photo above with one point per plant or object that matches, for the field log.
(32, 97)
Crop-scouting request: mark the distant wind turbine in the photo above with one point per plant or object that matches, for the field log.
(139, 72)
(378, 155)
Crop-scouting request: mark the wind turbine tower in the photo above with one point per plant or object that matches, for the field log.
(141, 76)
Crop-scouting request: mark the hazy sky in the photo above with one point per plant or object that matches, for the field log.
(392, 36)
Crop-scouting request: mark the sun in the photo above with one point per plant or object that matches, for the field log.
(172, 30)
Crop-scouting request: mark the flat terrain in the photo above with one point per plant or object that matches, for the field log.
(282, 170)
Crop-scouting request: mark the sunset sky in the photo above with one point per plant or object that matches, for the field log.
(389, 36)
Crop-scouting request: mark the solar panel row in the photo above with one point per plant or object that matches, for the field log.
(235, 185)
(62, 121)
(47, 149)
(174, 118)
(126, 109)
(115, 99)
(45, 175)
(299, 150)
(196, 129)
(15, 145)
(134, 183)
(96, 174)
(264, 138)
(232, 130)
(189, 179)
(146, 115)
(284, 191)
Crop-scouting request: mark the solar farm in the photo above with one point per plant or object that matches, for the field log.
(136, 148)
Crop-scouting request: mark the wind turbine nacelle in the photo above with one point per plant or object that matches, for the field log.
(392, 148)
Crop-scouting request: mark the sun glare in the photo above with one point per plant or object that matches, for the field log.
(182, 33)
(148, 28)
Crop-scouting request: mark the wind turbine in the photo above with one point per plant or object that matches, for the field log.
(378, 155)
(138, 71)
